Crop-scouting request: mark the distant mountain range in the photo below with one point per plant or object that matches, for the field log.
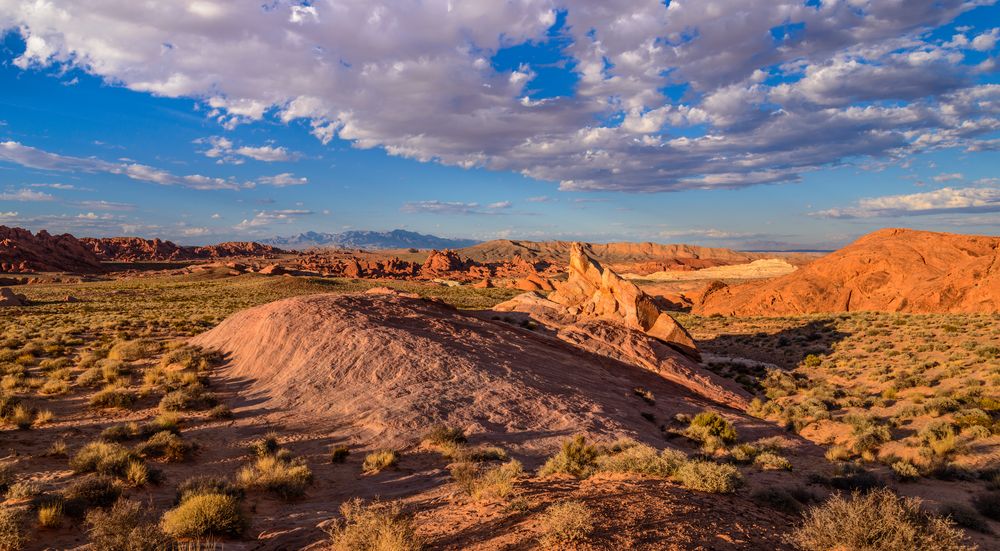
(395, 239)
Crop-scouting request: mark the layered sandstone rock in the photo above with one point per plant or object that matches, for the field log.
(593, 291)
(598, 311)
(893, 270)
(20, 252)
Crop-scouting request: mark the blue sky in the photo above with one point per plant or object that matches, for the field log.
(731, 123)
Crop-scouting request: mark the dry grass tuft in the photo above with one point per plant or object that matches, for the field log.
(377, 526)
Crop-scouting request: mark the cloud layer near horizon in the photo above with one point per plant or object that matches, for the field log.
(691, 94)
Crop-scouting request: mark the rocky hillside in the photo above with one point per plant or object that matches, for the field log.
(21, 251)
(624, 257)
(894, 270)
(137, 249)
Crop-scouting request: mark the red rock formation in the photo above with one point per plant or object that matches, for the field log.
(894, 270)
(136, 249)
(593, 291)
(440, 263)
(20, 251)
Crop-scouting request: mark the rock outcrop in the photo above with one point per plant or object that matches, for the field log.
(21, 252)
(891, 270)
(382, 366)
(600, 312)
(440, 263)
(137, 249)
(10, 298)
(593, 291)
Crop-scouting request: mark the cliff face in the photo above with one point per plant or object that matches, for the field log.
(894, 270)
(21, 251)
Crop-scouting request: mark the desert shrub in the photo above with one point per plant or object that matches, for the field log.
(711, 429)
(129, 351)
(268, 445)
(973, 417)
(88, 492)
(988, 503)
(205, 484)
(186, 399)
(125, 527)
(59, 448)
(378, 526)
(287, 479)
(483, 483)
(339, 453)
(22, 417)
(204, 515)
(220, 412)
(189, 357)
(566, 523)
(642, 459)
(484, 453)
(940, 406)
(50, 515)
(112, 396)
(879, 520)
(12, 537)
(706, 476)
(102, 457)
(120, 433)
(90, 377)
(378, 460)
(136, 474)
(441, 434)
(576, 457)
(22, 489)
(770, 461)
(167, 445)
(939, 437)
(965, 516)
(53, 387)
(838, 453)
(905, 470)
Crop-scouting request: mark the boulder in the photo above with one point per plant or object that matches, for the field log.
(10, 298)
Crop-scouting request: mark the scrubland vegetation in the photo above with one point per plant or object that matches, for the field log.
(106, 392)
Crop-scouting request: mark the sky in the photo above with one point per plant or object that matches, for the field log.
(772, 124)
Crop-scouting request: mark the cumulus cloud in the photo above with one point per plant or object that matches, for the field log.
(282, 180)
(771, 90)
(949, 177)
(265, 218)
(25, 195)
(226, 152)
(454, 207)
(941, 201)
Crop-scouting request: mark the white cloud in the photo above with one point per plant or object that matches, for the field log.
(867, 80)
(941, 201)
(949, 177)
(31, 157)
(266, 218)
(454, 207)
(282, 180)
(227, 152)
(25, 195)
